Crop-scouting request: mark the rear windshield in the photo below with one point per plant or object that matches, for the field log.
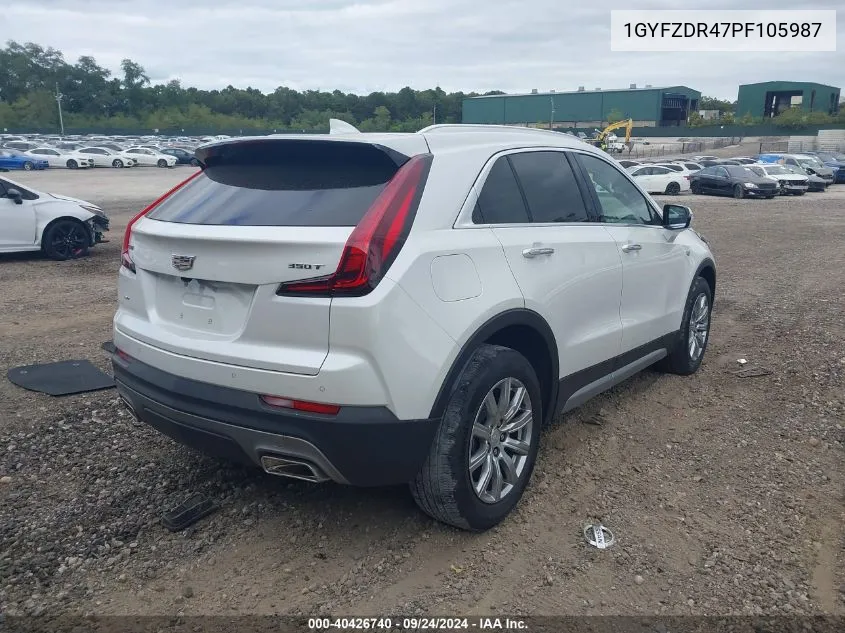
(283, 183)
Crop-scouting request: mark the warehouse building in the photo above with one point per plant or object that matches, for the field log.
(770, 98)
(648, 107)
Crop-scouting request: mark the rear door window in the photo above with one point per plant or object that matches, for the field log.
(550, 187)
(500, 201)
(283, 183)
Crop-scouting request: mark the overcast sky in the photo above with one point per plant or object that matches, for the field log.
(367, 45)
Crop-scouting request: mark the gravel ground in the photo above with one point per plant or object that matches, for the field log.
(725, 492)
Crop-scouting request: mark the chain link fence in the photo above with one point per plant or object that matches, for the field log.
(649, 150)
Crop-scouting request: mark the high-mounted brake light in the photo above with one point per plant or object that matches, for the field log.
(300, 405)
(376, 240)
(125, 258)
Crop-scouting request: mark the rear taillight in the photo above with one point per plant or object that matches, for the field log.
(376, 240)
(687, 177)
(125, 258)
(300, 405)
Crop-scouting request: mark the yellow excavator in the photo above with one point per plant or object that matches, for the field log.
(613, 144)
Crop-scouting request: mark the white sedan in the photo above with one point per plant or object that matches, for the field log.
(147, 156)
(60, 226)
(103, 157)
(62, 158)
(654, 179)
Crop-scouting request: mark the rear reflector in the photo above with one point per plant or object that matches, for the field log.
(123, 355)
(125, 258)
(376, 240)
(300, 405)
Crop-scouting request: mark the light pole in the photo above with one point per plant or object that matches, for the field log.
(552, 115)
(434, 115)
(59, 96)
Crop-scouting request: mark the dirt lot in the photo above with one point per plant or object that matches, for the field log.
(725, 492)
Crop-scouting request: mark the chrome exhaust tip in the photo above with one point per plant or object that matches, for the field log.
(293, 469)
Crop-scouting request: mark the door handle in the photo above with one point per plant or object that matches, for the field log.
(627, 248)
(534, 251)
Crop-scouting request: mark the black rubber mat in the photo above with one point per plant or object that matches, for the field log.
(61, 379)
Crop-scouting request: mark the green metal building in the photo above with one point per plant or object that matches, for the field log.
(648, 107)
(770, 98)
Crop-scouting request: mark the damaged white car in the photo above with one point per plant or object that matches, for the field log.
(60, 226)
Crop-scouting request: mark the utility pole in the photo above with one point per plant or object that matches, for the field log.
(552, 115)
(434, 116)
(59, 96)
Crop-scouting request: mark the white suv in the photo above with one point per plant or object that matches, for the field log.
(380, 309)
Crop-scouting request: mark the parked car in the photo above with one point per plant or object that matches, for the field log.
(421, 376)
(833, 160)
(732, 180)
(814, 183)
(20, 146)
(112, 146)
(144, 156)
(62, 158)
(182, 156)
(678, 167)
(104, 157)
(788, 182)
(629, 163)
(698, 159)
(60, 226)
(744, 160)
(810, 164)
(658, 179)
(14, 159)
(691, 166)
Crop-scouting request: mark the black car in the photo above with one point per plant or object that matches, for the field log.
(183, 156)
(732, 180)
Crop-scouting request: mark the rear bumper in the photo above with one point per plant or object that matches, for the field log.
(362, 446)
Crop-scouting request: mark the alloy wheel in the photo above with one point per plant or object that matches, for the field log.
(500, 440)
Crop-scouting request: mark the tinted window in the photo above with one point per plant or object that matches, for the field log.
(740, 172)
(550, 188)
(292, 183)
(500, 201)
(661, 170)
(670, 168)
(620, 201)
(721, 171)
(692, 166)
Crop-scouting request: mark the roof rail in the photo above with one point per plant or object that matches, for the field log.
(479, 127)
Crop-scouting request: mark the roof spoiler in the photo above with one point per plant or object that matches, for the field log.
(336, 126)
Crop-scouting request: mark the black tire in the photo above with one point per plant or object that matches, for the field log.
(444, 487)
(72, 164)
(695, 187)
(770, 197)
(28, 166)
(739, 192)
(680, 360)
(66, 239)
(673, 189)
(117, 163)
(161, 162)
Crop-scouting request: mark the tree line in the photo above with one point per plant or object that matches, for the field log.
(93, 99)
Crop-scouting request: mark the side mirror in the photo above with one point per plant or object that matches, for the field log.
(676, 217)
(14, 195)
